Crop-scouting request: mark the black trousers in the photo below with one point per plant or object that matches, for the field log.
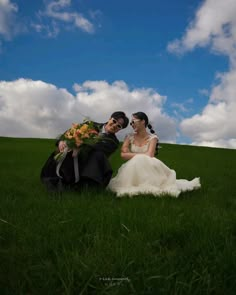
(94, 170)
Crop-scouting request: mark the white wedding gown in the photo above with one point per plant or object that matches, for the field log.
(145, 175)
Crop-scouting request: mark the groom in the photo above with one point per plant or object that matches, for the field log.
(90, 170)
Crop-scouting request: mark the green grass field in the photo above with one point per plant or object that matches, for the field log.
(94, 243)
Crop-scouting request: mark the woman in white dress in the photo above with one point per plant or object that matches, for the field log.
(143, 173)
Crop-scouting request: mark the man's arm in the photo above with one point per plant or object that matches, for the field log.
(107, 144)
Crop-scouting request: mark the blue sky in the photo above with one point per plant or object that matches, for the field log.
(65, 59)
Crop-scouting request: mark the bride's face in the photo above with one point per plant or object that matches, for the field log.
(136, 124)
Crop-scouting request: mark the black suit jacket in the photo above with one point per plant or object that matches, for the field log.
(108, 143)
(93, 164)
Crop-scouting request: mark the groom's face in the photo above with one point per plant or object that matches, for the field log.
(114, 125)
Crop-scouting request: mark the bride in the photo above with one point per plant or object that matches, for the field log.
(143, 173)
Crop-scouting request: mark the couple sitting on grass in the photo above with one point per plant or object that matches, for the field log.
(142, 173)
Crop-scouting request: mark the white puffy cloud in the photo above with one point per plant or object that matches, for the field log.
(216, 123)
(215, 27)
(59, 13)
(228, 144)
(9, 25)
(55, 17)
(33, 108)
(38, 109)
(99, 95)
(54, 10)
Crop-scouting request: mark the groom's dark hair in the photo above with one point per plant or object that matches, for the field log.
(121, 115)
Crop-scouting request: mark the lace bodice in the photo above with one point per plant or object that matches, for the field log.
(140, 149)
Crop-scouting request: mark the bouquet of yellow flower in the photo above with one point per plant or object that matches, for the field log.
(78, 136)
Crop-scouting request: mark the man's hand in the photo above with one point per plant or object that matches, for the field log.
(62, 145)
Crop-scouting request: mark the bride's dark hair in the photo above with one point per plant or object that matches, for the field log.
(143, 116)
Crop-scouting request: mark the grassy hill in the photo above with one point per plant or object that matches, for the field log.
(93, 243)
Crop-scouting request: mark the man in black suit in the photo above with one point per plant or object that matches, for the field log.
(91, 169)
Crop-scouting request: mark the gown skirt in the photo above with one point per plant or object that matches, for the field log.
(145, 175)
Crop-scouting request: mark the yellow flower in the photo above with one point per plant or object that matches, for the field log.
(84, 128)
(68, 134)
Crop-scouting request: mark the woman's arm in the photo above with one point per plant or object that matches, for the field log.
(127, 155)
(108, 144)
(152, 147)
(125, 151)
